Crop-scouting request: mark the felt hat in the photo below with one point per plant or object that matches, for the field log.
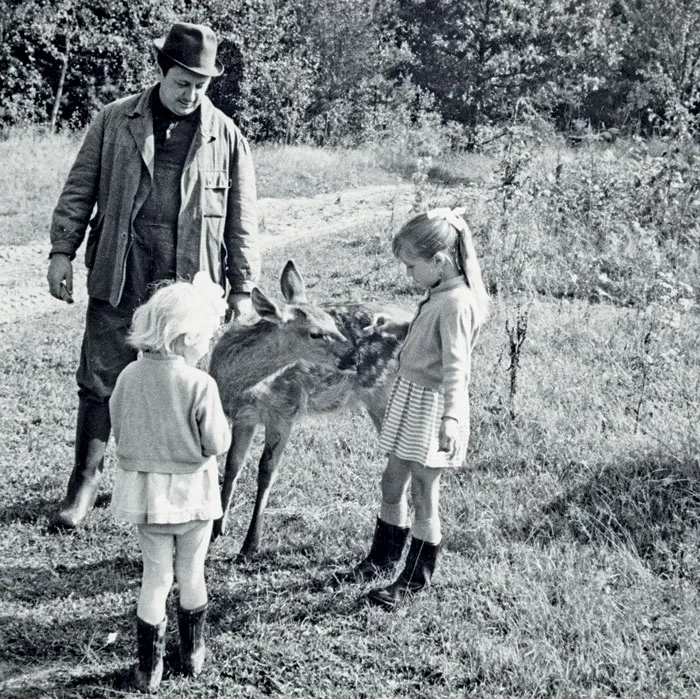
(192, 46)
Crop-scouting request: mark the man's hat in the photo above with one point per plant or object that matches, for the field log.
(192, 46)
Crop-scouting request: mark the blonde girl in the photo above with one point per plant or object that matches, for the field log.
(426, 424)
(169, 427)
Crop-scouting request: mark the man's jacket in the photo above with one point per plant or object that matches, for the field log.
(217, 224)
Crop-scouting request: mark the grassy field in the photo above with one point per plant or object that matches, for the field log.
(35, 167)
(571, 565)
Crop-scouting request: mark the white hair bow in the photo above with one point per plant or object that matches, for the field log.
(453, 216)
(210, 291)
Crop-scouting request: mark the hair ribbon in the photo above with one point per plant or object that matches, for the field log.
(453, 216)
(210, 291)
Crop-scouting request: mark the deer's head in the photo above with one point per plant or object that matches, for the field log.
(298, 320)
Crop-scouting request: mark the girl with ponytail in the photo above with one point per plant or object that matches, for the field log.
(426, 424)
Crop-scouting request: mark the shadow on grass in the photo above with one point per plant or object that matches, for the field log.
(39, 510)
(36, 585)
(30, 511)
(89, 657)
(288, 584)
(650, 504)
(62, 683)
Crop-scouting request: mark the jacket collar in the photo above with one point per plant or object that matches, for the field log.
(141, 127)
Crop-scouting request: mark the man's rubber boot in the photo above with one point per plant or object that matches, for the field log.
(91, 436)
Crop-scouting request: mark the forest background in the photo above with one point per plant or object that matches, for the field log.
(341, 72)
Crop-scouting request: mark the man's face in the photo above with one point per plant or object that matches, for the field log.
(182, 91)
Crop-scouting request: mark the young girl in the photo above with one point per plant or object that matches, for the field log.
(169, 426)
(426, 424)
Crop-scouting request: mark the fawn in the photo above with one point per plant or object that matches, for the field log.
(297, 358)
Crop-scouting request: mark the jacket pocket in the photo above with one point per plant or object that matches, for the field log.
(216, 186)
(93, 239)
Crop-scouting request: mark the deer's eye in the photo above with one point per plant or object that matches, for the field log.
(315, 335)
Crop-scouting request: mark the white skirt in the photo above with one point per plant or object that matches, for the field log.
(166, 498)
(412, 425)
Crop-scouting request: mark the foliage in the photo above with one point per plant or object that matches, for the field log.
(479, 58)
(100, 43)
(342, 71)
(661, 60)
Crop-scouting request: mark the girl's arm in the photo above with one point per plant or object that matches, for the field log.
(214, 431)
(455, 338)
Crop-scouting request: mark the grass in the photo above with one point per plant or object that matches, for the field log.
(571, 566)
(571, 562)
(36, 165)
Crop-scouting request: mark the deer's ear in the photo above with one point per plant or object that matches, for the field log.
(292, 283)
(265, 307)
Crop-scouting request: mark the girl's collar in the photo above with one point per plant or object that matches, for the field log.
(449, 284)
(160, 357)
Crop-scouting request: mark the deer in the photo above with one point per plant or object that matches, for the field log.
(297, 358)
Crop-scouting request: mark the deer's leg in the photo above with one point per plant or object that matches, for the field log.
(268, 469)
(241, 435)
(375, 402)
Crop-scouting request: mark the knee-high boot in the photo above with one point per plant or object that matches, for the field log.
(386, 551)
(150, 640)
(417, 574)
(192, 626)
(91, 435)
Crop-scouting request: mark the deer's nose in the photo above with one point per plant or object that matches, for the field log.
(338, 336)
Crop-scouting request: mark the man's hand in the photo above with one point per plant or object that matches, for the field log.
(60, 277)
(240, 307)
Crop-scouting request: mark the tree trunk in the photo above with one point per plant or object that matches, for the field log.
(59, 88)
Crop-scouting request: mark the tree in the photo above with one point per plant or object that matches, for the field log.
(660, 75)
(479, 58)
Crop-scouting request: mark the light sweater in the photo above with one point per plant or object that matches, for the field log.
(167, 416)
(438, 347)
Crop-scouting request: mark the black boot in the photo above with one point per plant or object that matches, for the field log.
(417, 574)
(151, 645)
(192, 624)
(91, 435)
(387, 547)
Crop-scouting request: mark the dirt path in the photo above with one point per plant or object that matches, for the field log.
(23, 289)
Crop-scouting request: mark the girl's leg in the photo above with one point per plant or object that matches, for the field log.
(390, 532)
(395, 480)
(191, 551)
(425, 543)
(192, 546)
(157, 552)
(425, 492)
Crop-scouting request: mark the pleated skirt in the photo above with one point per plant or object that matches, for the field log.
(412, 425)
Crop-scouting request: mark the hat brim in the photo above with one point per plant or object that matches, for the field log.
(207, 73)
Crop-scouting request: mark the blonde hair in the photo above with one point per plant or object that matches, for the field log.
(446, 231)
(178, 314)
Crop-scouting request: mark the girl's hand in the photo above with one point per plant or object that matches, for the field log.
(380, 323)
(448, 437)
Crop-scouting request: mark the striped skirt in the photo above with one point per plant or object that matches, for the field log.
(412, 424)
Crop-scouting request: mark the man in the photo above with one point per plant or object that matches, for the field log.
(166, 185)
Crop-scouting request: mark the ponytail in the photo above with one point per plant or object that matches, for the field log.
(466, 258)
(471, 270)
